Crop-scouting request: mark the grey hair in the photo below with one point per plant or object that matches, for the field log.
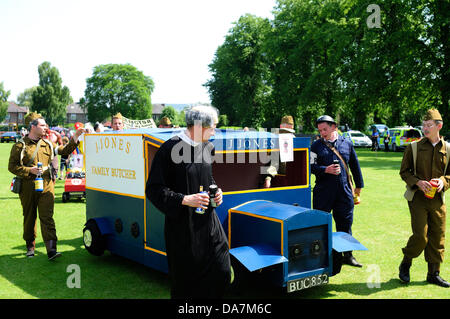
(205, 115)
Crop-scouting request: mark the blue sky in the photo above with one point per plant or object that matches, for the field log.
(172, 41)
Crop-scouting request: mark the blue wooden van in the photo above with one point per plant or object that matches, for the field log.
(270, 230)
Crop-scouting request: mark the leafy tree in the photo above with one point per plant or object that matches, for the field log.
(322, 57)
(116, 88)
(170, 112)
(4, 95)
(239, 87)
(51, 98)
(26, 97)
(223, 120)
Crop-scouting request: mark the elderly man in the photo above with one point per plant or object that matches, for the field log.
(424, 166)
(196, 244)
(330, 155)
(23, 160)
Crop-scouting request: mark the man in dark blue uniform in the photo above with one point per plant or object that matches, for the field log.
(332, 191)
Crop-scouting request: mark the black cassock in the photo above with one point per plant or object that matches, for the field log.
(196, 245)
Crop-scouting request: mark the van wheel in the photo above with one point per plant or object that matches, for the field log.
(239, 275)
(93, 239)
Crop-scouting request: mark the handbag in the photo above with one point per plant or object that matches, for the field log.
(16, 185)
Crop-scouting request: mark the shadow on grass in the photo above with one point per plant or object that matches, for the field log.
(105, 277)
(256, 288)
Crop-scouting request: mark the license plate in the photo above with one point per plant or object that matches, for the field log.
(307, 282)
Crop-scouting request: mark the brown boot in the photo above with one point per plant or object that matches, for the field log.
(51, 249)
(30, 248)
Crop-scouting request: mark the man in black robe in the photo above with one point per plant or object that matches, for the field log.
(196, 244)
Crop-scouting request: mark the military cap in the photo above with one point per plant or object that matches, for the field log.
(30, 117)
(117, 116)
(432, 115)
(287, 124)
(325, 118)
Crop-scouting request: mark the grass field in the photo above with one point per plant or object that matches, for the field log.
(381, 223)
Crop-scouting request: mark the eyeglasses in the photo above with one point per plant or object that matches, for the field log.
(429, 125)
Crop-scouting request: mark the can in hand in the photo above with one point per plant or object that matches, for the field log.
(336, 162)
(212, 193)
(430, 194)
(200, 210)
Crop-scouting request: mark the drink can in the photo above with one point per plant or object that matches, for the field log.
(200, 210)
(430, 194)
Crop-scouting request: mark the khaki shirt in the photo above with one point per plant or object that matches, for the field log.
(44, 155)
(430, 163)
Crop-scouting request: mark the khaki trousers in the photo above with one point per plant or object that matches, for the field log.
(428, 228)
(34, 202)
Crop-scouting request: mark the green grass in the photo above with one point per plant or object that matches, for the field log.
(381, 223)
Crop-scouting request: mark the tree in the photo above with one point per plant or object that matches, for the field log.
(170, 112)
(116, 88)
(26, 97)
(238, 87)
(4, 95)
(51, 98)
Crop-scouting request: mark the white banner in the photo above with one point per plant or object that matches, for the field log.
(115, 163)
(127, 123)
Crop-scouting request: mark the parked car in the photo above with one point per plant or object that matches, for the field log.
(10, 137)
(400, 137)
(358, 139)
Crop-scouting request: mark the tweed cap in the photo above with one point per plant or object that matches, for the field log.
(30, 117)
(165, 121)
(287, 124)
(432, 115)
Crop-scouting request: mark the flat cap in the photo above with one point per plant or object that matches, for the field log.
(287, 124)
(432, 115)
(165, 121)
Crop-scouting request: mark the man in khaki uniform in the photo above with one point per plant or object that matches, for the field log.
(427, 215)
(22, 164)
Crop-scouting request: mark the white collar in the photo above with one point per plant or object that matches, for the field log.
(334, 137)
(187, 139)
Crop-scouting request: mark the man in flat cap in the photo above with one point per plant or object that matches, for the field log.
(165, 122)
(286, 127)
(330, 155)
(424, 164)
(23, 159)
